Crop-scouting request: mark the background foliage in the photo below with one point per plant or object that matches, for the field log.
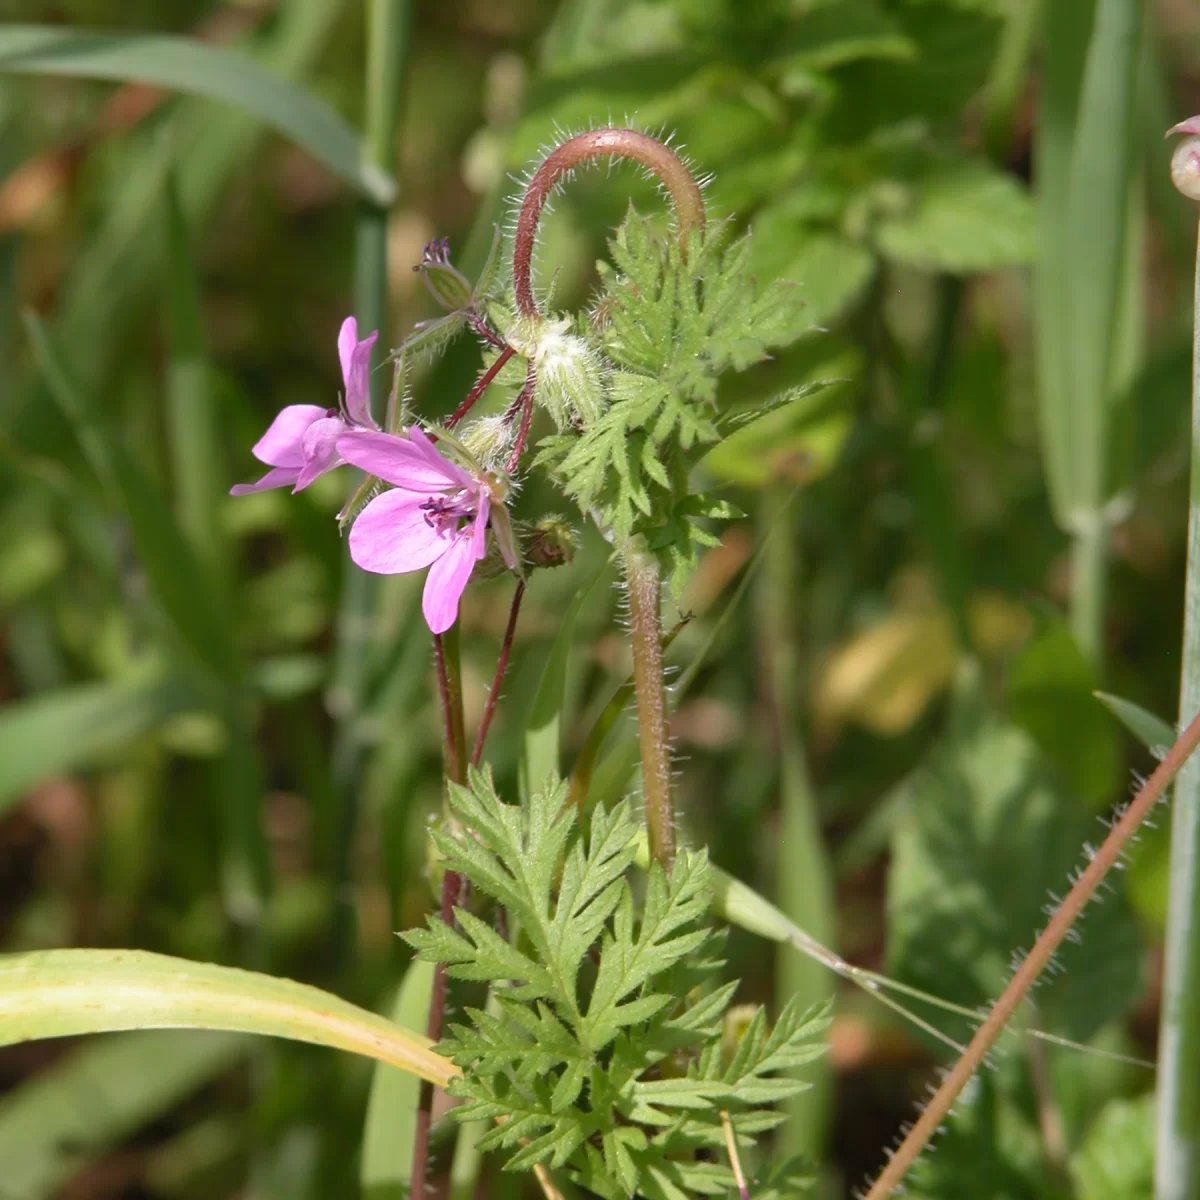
(889, 730)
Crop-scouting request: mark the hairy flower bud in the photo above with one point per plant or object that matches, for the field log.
(488, 440)
(569, 382)
(1185, 162)
(448, 285)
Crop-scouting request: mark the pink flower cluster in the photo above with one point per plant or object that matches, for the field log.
(435, 514)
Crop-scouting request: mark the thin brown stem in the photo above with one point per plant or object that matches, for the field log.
(599, 143)
(454, 887)
(1035, 962)
(735, 1161)
(489, 709)
(453, 894)
(645, 627)
(480, 387)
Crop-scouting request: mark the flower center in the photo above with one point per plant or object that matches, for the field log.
(446, 513)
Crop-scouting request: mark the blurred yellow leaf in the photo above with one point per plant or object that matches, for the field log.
(885, 677)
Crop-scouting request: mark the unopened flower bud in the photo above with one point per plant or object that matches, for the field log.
(549, 543)
(449, 286)
(488, 440)
(1185, 162)
(569, 382)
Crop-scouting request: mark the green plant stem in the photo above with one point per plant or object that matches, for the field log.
(388, 24)
(1089, 567)
(803, 876)
(1177, 1159)
(1035, 962)
(645, 627)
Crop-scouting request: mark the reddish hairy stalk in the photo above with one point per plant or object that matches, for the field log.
(598, 143)
(489, 709)
(454, 893)
(482, 328)
(451, 699)
(480, 387)
(524, 403)
(1035, 962)
(645, 627)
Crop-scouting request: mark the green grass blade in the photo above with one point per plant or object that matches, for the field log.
(803, 873)
(1066, 31)
(540, 756)
(1177, 1141)
(1097, 224)
(389, 22)
(186, 65)
(107, 288)
(198, 469)
(61, 993)
(68, 1115)
(178, 581)
(1153, 732)
(387, 1151)
(73, 728)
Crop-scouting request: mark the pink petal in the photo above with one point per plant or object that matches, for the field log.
(430, 453)
(320, 449)
(356, 371)
(283, 443)
(398, 461)
(1191, 125)
(479, 531)
(445, 583)
(391, 536)
(275, 477)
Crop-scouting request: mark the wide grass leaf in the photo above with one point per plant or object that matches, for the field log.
(61, 993)
(186, 65)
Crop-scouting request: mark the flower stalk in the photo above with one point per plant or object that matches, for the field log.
(599, 143)
(1035, 962)
(644, 584)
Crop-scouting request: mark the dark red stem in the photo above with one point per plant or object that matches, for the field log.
(598, 143)
(453, 895)
(489, 709)
(523, 403)
(480, 387)
(484, 330)
(453, 734)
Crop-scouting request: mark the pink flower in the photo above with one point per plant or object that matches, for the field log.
(301, 443)
(435, 516)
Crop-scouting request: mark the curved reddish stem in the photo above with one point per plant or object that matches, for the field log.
(599, 143)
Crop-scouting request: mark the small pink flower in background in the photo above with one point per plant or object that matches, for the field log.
(301, 443)
(435, 516)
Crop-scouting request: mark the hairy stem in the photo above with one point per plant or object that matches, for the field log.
(599, 143)
(524, 405)
(450, 693)
(645, 627)
(1035, 962)
(489, 709)
(454, 887)
(480, 387)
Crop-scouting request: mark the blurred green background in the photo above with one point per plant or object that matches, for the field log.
(215, 743)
